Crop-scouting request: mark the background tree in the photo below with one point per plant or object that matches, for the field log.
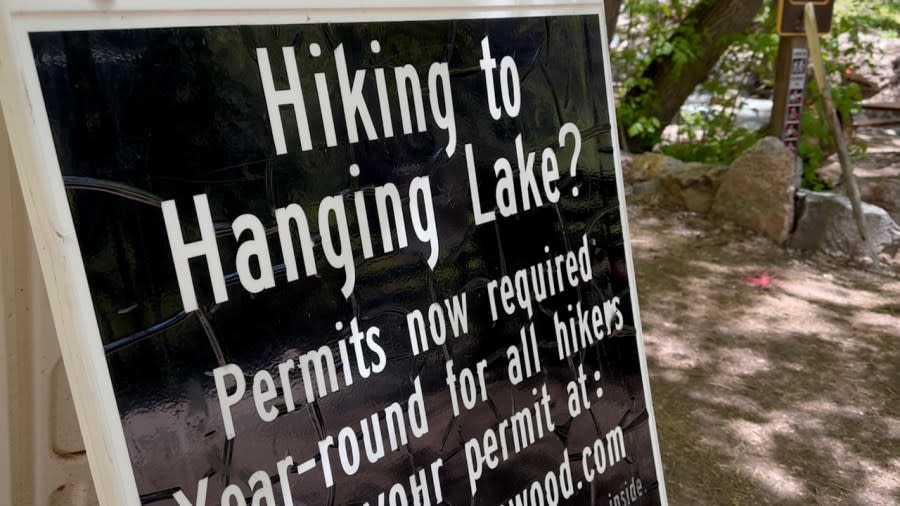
(721, 54)
(613, 7)
(684, 60)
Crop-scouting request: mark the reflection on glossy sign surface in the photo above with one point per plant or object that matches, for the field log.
(374, 263)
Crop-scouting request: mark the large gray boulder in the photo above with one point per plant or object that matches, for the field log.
(883, 192)
(757, 191)
(826, 224)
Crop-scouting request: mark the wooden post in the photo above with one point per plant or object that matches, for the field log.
(812, 38)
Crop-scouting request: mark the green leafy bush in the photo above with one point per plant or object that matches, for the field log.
(645, 31)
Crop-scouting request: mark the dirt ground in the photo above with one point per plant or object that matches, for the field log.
(775, 374)
(783, 390)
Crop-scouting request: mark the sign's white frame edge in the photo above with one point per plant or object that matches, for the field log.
(22, 107)
(629, 260)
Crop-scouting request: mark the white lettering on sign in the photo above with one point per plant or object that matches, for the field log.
(408, 90)
(291, 223)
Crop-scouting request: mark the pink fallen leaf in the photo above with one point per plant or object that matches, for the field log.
(762, 281)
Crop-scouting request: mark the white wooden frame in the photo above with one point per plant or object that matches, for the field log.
(48, 208)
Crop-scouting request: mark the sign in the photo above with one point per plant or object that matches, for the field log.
(790, 16)
(796, 90)
(336, 256)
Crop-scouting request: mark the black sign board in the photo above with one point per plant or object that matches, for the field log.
(380, 262)
(790, 16)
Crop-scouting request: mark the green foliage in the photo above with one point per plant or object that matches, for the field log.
(817, 141)
(854, 53)
(722, 149)
(652, 28)
(644, 34)
(880, 15)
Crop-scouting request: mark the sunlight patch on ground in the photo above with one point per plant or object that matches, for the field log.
(754, 457)
(742, 362)
(871, 482)
(828, 409)
(828, 292)
(893, 430)
(672, 353)
(880, 486)
(773, 318)
(884, 321)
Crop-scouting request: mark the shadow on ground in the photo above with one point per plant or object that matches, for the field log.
(780, 395)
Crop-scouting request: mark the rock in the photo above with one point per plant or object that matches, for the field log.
(648, 167)
(882, 192)
(690, 185)
(757, 190)
(830, 171)
(646, 188)
(826, 224)
(693, 185)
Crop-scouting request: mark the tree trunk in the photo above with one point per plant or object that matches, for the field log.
(612, 9)
(716, 21)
